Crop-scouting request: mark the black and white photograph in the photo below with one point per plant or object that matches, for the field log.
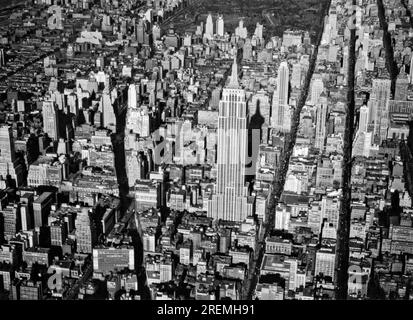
(199, 158)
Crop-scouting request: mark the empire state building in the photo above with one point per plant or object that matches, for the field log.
(230, 200)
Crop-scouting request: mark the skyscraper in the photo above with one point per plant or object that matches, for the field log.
(296, 76)
(280, 106)
(50, 119)
(220, 26)
(402, 84)
(379, 101)
(333, 23)
(6, 144)
(317, 88)
(364, 118)
(132, 103)
(2, 61)
(85, 231)
(109, 117)
(9, 164)
(229, 201)
(209, 27)
(321, 120)
(241, 31)
(411, 71)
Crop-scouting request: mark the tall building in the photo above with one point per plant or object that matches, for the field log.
(402, 84)
(317, 88)
(209, 27)
(109, 117)
(259, 31)
(325, 260)
(2, 61)
(379, 101)
(296, 75)
(136, 166)
(333, 23)
(241, 31)
(220, 26)
(6, 144)
(9, 164)
(26, 211)
(41, 208)
(11, 220)
(321, 122)
(229, 201)
(411, 71)
(364, 118)
(50, 119)
(280, 107)
(132, 102)
(85, 231)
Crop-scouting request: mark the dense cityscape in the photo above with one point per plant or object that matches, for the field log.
(200, 150)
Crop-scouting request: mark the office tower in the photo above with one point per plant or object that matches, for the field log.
(27, 290)
(330, 208)
(209, 27)
(241, 31)
(362, 144)
(132, 102)
(332, 19)
(7, 153)
(379, 101)
(229, 202)
(325, 260)
(156, 32)
(2, 60)
(41, 208)
(50, 119)
(85, 231)
(344, 70)
(296, 75)
(317, 88)
(9, 164)
(109, 117)
(259, 31)
(220, 26)
(138, 121)
(280, 107)
(364, 118)
(136, 166)
(321, 122)
(247, 49)
(11, 220)
(402, 84)
(140, 31)
(411, 71)
(26, 211)
(58, 233)
(326, 32)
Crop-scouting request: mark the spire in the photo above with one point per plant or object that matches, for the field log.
(233, 82)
